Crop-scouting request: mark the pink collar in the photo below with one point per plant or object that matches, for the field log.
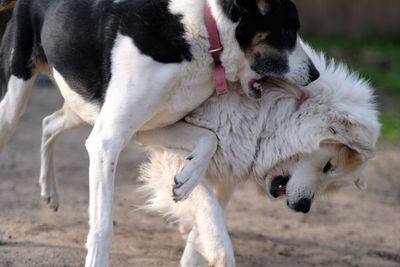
(215, 50)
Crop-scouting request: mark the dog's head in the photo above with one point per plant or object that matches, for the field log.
(267, 34)
(339, 161)
(328, 140)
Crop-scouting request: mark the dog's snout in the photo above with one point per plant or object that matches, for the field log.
(313, 73)
(303, 205)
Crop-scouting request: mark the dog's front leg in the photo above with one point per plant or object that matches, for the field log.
(199, 142)
(106, 141)
(131, 101)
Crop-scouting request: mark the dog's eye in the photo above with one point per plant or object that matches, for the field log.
(328, 167)
(260, 37)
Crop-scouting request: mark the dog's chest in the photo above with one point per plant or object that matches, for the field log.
(191, 88)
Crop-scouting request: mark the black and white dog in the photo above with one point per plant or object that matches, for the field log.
(126, 66)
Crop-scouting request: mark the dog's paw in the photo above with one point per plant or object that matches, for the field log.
(188, 178)
(180, 192)
(51, 199)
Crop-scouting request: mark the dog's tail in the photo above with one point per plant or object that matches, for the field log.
(157, 178)
(7, 4)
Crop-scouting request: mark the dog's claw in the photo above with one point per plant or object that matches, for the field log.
(174, 197)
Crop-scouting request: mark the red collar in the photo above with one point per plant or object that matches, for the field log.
(215, 50)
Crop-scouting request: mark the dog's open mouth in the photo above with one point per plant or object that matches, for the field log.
(278, 186)
(255, 86)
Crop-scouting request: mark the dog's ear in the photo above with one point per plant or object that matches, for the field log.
(239, 7)
(356, 136)
(236, 9)
(361, 183)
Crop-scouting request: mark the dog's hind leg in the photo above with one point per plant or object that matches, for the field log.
(209, 235)
(191, 257)
(53, 126)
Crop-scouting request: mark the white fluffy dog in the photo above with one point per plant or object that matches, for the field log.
(297, 142)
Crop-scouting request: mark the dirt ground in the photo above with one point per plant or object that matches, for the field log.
(348, 228)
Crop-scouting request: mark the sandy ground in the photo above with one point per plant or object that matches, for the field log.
(345, 229)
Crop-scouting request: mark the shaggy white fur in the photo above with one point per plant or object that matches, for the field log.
(256, 139)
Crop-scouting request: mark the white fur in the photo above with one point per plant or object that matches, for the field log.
(260, 140)
(13, 106)
(86, 110)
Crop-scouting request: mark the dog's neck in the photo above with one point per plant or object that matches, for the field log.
(232, 56)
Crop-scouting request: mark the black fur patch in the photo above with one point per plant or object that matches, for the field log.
(76, 38)
(281, 22)
(155, 31)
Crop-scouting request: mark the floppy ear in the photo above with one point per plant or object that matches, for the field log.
(356, 136)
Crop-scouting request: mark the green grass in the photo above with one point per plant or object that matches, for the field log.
(377, 60)
(390, 127)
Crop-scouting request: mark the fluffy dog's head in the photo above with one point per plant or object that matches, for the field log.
(338, 129)
(267, 34)
(306, 176)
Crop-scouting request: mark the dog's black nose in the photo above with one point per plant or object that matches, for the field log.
(303, 205)
(313, 73)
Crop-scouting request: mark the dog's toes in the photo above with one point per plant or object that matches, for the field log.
(178, 195)
(45, 197)
(175, 197)
(51, 201)
(177, 184)
(54, 205)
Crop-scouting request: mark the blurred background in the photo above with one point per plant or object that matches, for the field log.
(366, 35)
